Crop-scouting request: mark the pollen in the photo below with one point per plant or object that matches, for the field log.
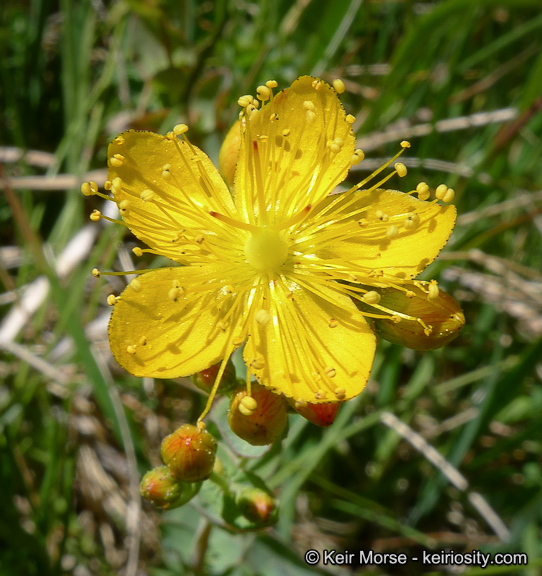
(117, 160)
(392, 231)
(257, 363)
(174, 294)
(136, 285)
(146, 195)
(423, 191)
(339, 86)
(131, 350)
(401, 169)
(89, 188)
(433, 290)
(180, 129)
(330, 372)
(264, 93)
(262, 317)
(111, 299)
(371, 297)
(247, 405)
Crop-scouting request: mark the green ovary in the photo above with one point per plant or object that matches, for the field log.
(265, 250)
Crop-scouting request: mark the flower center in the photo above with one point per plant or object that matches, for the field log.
(265, 250)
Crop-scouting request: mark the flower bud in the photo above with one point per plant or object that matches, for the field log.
(257, 505)
(442, 314)
(320, 414)
(265, 423)
(229, 153)
(189, 453)
(205, 379)
(159, 487)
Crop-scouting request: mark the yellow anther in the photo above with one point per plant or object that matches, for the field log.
(340, 393)
(371, 297)
(333, 323)
(339, 86)
(256, 103)
(95, 272)
(111, 299)
(401, 169)
(117, 160)
(412, 220)
(137, 251)
(449, 196)
(107, 185)
(131, 350)
(142, 341)
(357, 157)
(339, 142)
(392, 231)
(381, 216)
(433, 291)
(180, 129)
(405, 144)
(286, 132)
(171, 135)
(271, 84)
(350, 119)
(166, 174)
(174, 294)
(124, 205)
(410, 294)
(264, 93)
(423, 191)
(89, 188)
(116, 186)
(311, 116)
(335, 148)
(320, 394)
(257, 363)
(95, 215)
(245, 100)
(316, 84)
(262, 317)
(119, 140)
(237, 341)
(247, 405)
(136, 285)
(441, 190)
(308, 105)
(146, 195)
(362, 222)
(330, 372)
(221, 326)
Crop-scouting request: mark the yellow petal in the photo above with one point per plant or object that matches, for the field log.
(287, 159)
(164, 325)
(419, 231)
(312, 349)
(165, 187)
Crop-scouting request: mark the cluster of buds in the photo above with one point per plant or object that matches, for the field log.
(189, 457)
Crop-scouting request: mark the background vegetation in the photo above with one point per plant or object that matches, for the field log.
(443, 449)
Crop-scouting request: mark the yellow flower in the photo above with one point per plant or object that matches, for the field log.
(279, 265)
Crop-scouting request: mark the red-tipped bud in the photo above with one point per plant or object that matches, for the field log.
(320, 414)
(229, 153)
(159, 487)
(189, 453)
(441, 314)
(259, 419)
(205, 379)
(257, 505)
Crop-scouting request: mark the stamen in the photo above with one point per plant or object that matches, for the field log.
(234, 223)
(295, 219)
(339, 86)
